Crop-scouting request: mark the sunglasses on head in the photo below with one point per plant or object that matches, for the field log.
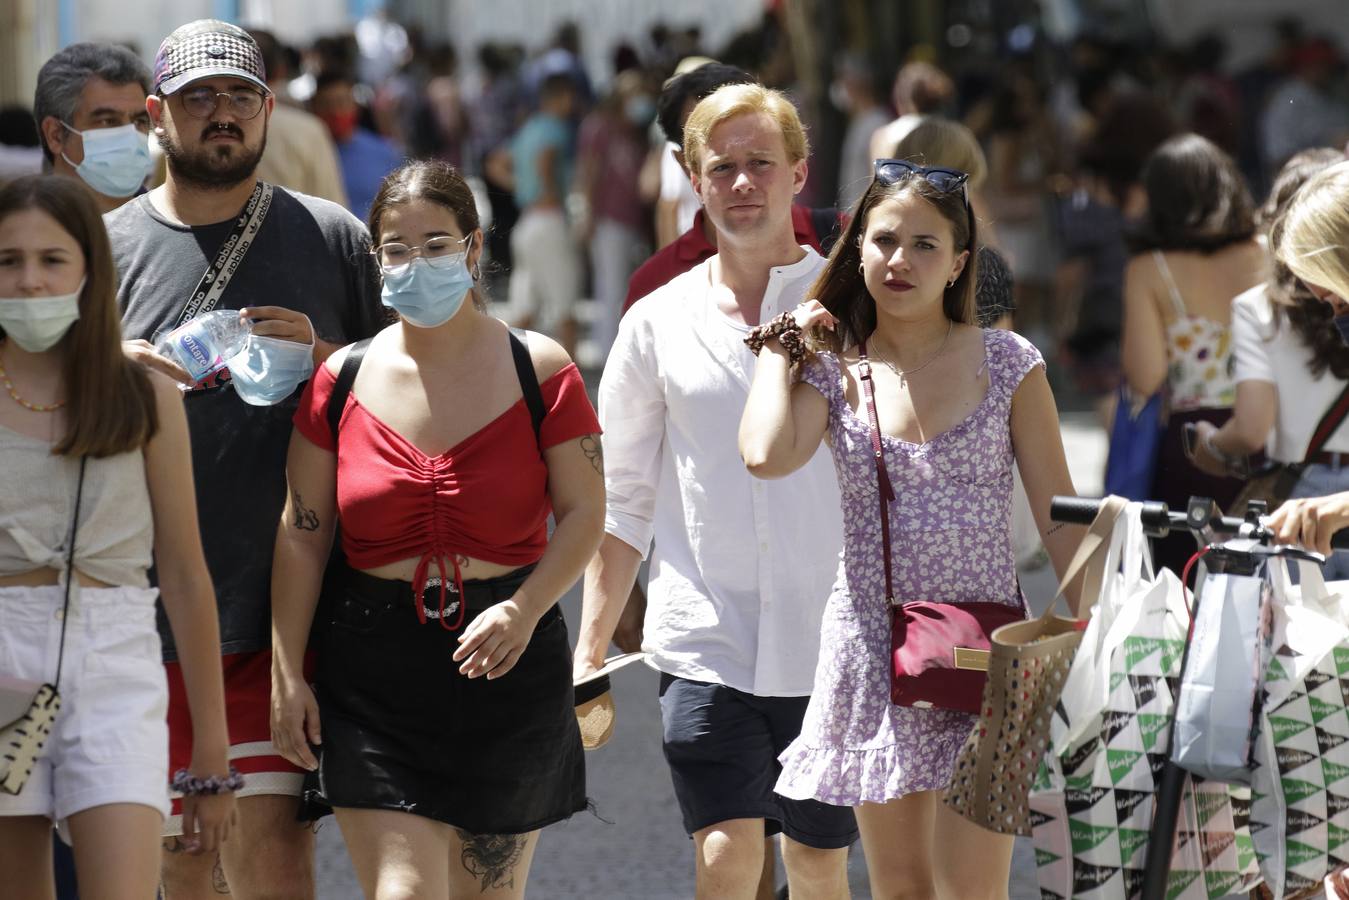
(889, 171)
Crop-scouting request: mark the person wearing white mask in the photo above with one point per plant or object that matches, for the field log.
(90, 110)
(96, 484)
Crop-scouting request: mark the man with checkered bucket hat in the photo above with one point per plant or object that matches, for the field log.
(299, 272)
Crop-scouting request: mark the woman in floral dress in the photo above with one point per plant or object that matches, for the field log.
(957, 404)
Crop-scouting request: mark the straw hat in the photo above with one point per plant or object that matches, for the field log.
(595, 703)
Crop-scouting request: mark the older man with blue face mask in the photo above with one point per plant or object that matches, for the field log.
(90, 110)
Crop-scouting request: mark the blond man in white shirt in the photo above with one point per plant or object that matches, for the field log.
(742, 568)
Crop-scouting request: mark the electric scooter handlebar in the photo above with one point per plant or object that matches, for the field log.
(1202, 517)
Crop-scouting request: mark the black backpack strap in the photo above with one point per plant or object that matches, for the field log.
(342, 387)
(529, 380)
(827, 227)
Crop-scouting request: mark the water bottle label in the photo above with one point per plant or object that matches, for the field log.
(197, 355)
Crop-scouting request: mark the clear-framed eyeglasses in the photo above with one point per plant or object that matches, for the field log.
(439, 253)
(240, 102)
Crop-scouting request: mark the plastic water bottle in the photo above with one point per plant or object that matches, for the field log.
(204, 344)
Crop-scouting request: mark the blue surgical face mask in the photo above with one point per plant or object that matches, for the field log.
(1342, 325)
(116, 160)
(428, 295)
(38, 323)
(268, 370)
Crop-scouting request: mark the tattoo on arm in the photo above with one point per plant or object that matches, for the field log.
(492, 857)
(594, 451)
(305, 519)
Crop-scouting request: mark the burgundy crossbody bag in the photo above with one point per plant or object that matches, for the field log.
(938, 651)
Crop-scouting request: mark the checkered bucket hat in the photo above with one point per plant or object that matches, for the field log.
(207, 48)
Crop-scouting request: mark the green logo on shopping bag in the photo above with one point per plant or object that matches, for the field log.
(1219, 883)
(1276, 671)
(1153, 727)
(1137, 649)
(1336, 836)
(1299, 853)
(1116, 679)
(1321, 709)
(1085, 836)
(1177, 882)
(1045, 858)
(1341, 660)
(1120, 762)
(1333, 772)
(1245, 851)
(1286, 728)
(1295, 789)
(1130, 839)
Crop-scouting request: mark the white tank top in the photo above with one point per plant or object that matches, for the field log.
(37, 502)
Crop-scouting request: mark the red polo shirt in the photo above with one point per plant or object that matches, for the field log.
(691, 248)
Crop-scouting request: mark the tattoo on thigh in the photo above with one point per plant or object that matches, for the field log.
(305, 519)
(594, 451)
(492, 857)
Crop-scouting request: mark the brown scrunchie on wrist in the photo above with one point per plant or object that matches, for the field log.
(784, 328)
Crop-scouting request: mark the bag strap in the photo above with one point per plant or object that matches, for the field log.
(70, 572)
(1090, 557)
(206, 296)
(887, 490)
(346, 377)
(529, 381)
(1328, 425)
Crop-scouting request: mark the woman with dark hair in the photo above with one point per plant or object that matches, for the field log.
(955, 405)
(97, 477)
(1291, 369)
(441, 727)
(1194, 251)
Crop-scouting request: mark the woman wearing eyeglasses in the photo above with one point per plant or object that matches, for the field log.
(956, 405)
(441, 728)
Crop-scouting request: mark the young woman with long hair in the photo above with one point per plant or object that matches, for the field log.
(957, 405)
(95, 451)
(442, 731)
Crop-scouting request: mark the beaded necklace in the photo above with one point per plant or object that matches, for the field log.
(35, 407)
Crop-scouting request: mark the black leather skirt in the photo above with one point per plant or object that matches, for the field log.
(403, 730)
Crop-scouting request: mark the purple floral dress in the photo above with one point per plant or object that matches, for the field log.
(950, 541)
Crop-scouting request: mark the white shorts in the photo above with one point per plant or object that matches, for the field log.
(546, 279)
(110, 743)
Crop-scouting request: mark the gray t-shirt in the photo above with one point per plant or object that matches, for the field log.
(310, 256)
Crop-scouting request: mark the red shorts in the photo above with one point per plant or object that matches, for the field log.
(248, 710)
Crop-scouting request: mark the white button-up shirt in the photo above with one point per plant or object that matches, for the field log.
(742, 567)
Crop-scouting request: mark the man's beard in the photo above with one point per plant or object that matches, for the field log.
(212, 168)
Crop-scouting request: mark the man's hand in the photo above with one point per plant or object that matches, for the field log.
(143, 352)
(1311, 522)
(628, 634)
(279, 322)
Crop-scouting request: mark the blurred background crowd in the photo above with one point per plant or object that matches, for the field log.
(1064, 99)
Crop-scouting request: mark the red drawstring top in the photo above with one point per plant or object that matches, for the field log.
(486, 497)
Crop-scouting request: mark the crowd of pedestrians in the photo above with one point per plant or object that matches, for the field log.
(364, 493)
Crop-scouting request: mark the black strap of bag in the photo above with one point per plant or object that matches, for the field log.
(346, 377)
(529, 380)
(206, 296)
(70, 572)
(887, 490)
(524, 370)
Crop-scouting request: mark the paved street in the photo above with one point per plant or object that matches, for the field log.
(633, 845)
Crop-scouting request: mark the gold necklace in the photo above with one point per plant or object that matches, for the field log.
(35, 407)
(902, 372)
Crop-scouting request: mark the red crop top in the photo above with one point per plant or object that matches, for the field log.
(486, 497)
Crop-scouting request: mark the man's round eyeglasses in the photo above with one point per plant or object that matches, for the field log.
(242, 103)
(439, 253)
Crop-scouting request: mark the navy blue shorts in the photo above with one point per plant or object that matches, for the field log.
(722, 746)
